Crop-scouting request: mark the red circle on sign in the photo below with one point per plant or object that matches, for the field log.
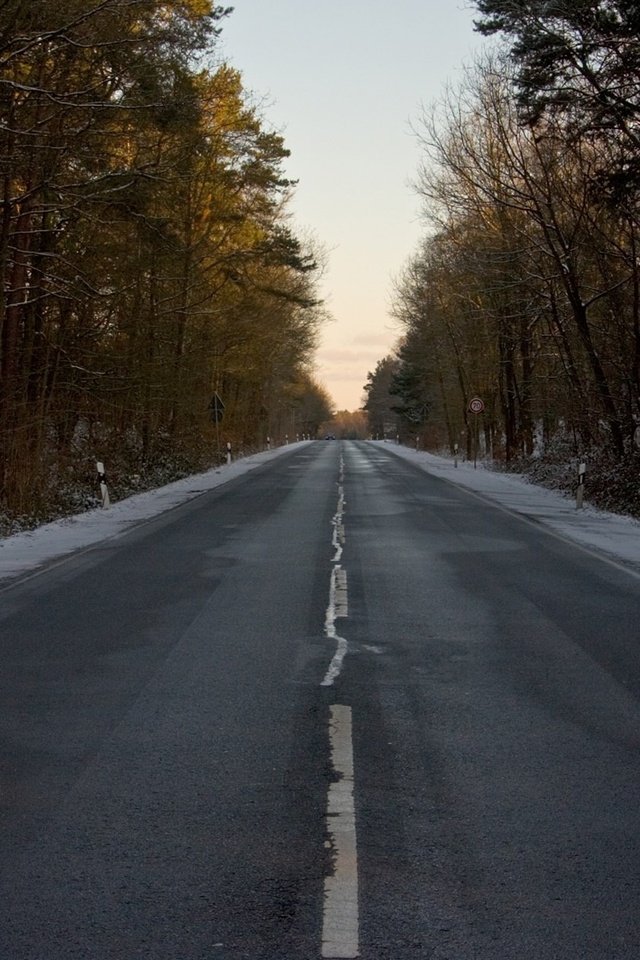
(476, 405)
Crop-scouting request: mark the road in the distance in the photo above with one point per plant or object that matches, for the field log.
(334, 707)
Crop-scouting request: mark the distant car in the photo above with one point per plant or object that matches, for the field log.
(330, 436)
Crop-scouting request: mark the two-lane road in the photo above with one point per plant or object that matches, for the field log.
(336, 707)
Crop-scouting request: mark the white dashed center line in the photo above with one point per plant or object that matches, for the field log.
(338, 607)
(338, 598)
(340, 925)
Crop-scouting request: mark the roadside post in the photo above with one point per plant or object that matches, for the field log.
(476, 407)
(455, 455)
(582, 469)
(228, 451)
(268, 443)
(102, 480)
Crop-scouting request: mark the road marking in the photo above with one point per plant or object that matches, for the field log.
(338, 607)
(338, 594)
(338, 537)
(340, 922)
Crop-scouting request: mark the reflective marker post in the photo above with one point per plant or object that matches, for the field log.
(582, 469)
(104, 490)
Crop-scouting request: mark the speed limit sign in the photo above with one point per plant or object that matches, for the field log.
(476, 405)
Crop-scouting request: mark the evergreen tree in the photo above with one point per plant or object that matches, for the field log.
(578, 59)
(379, 403)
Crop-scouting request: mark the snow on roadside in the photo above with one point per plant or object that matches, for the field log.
(34, 548)
(616, 536)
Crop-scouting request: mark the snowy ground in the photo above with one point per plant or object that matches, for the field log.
(618, 538)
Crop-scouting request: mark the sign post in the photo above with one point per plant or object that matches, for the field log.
(476, 406)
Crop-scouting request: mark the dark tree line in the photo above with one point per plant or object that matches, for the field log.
(526, 288)
(146, 260)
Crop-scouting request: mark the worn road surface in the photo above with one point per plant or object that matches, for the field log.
(334, 708)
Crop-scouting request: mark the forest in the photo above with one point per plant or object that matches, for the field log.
(525, 289)
(155, 302)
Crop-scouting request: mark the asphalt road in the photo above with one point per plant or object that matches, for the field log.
(335, 707)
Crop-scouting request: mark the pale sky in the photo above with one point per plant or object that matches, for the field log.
(342, 80)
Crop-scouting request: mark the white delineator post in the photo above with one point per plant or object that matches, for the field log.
(102, 479)
(582, 469)
(228, 451)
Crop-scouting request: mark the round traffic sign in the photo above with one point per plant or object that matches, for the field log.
(476, 405)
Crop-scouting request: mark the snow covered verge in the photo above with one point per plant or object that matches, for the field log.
(31, 549)
(618, 537)
(615, 536)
